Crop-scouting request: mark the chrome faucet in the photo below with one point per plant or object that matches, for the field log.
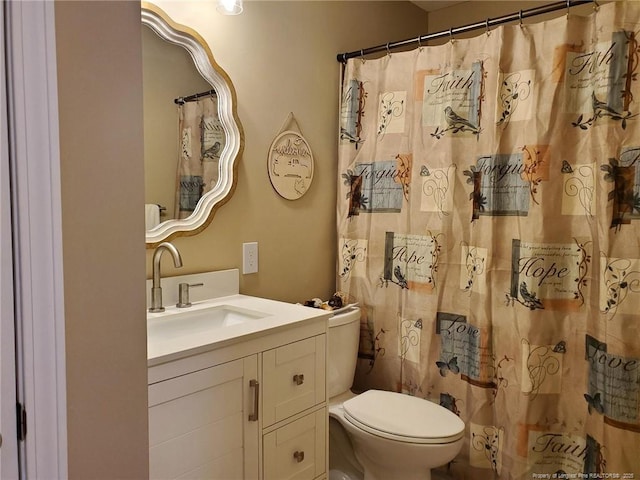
(156, 289)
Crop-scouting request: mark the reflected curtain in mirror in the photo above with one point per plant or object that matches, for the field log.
(202, 140)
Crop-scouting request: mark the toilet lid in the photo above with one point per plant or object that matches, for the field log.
(402, 417)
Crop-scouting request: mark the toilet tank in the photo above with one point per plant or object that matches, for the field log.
(343, 340)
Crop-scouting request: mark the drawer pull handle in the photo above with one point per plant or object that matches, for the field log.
(299, 456)
(298, 380)
(253, 417)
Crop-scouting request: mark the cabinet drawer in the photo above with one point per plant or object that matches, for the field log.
(297, 450)
(293, 378)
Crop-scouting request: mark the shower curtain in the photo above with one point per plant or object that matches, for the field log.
(489, 226)
(201, 141)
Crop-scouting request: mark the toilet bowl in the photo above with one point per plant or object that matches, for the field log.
(381, 435)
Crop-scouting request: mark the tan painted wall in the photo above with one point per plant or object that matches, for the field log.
(100, 104)
(479, 10)
(281, 57)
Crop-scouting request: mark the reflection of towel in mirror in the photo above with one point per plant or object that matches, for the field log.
(151, 215)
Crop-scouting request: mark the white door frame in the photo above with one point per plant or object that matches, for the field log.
(8, 426)
(37, 235)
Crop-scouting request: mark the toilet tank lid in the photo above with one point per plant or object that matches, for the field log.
(404, 416)
(347, 314)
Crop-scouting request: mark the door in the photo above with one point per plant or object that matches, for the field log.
(8, 434)
(204, 424)
(31, 282)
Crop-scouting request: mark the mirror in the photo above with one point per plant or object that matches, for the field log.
(167, 70)
(219, 147)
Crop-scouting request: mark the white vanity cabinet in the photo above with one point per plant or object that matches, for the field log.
(294, 410)
(254, 408)
(198, 423)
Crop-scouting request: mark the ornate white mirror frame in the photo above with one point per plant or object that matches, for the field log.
(189, 39)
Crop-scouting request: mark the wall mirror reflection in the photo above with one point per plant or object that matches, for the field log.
(192, 134)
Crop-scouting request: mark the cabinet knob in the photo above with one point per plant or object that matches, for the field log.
(298, 379)
(298, 455)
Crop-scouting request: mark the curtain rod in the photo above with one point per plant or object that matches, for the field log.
(195, 96)
(489, 22)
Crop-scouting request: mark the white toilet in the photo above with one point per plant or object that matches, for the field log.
(380, 435)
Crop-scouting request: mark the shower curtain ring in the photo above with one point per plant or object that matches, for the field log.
(388, 51)
(451, 34)
(596, 6)
(487, 24)
(420, 43)
(520, 17)
(568, 6)
(362, 55)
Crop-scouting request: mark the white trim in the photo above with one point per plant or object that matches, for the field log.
(35, 160)
(8, 426)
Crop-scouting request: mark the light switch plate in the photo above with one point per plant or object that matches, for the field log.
(249, 258)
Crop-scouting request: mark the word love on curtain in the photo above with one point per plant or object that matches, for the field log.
(489, 224)
(202, 140)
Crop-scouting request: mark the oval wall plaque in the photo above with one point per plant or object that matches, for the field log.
(290, 165)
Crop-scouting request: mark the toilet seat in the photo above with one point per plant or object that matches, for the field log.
(403, 418)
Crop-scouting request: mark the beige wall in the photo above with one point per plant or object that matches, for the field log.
(100, 105)
(281, 57)
(479, 10)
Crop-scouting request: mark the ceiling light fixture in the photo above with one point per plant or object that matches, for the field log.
(229, 7)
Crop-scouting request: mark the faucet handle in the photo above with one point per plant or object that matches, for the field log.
(183, 294)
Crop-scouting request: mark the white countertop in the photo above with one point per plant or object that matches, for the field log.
(168, 337)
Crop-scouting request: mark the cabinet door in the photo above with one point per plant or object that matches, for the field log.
(297, 450)
(294, 378)
(199, 424)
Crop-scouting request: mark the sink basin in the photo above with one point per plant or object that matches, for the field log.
(192, 322)
(219, 322)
